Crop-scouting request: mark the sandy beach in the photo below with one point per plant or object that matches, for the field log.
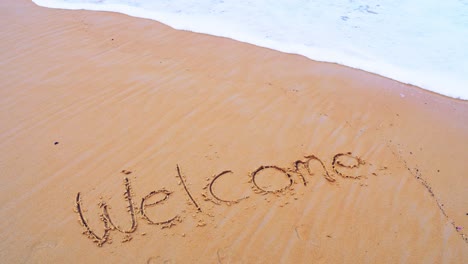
(123, 140)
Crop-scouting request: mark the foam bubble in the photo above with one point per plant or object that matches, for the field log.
(420, 42)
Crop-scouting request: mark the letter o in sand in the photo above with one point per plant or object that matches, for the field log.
(275, 170)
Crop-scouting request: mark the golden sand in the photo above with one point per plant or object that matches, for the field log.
(123, 140)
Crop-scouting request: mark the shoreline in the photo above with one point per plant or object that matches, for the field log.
(91, 99)
(386, 70)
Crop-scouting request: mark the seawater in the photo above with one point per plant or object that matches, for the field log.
(420, 42)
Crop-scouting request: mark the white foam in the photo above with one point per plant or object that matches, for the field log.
(421, 42)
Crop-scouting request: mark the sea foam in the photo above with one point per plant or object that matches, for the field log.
(420, 42)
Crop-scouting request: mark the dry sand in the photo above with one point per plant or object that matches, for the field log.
(88, 99)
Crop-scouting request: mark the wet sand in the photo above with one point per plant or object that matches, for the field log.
(196, 148)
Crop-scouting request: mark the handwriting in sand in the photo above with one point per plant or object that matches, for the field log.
(300, 171)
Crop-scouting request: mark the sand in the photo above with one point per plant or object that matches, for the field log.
(195, 148)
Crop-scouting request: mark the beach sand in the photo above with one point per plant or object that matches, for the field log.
(91, 99)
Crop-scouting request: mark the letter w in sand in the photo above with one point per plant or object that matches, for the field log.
(109, 225)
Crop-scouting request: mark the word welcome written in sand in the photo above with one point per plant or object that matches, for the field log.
(301, 169)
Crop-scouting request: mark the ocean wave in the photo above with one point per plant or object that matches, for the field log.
(421, 42)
